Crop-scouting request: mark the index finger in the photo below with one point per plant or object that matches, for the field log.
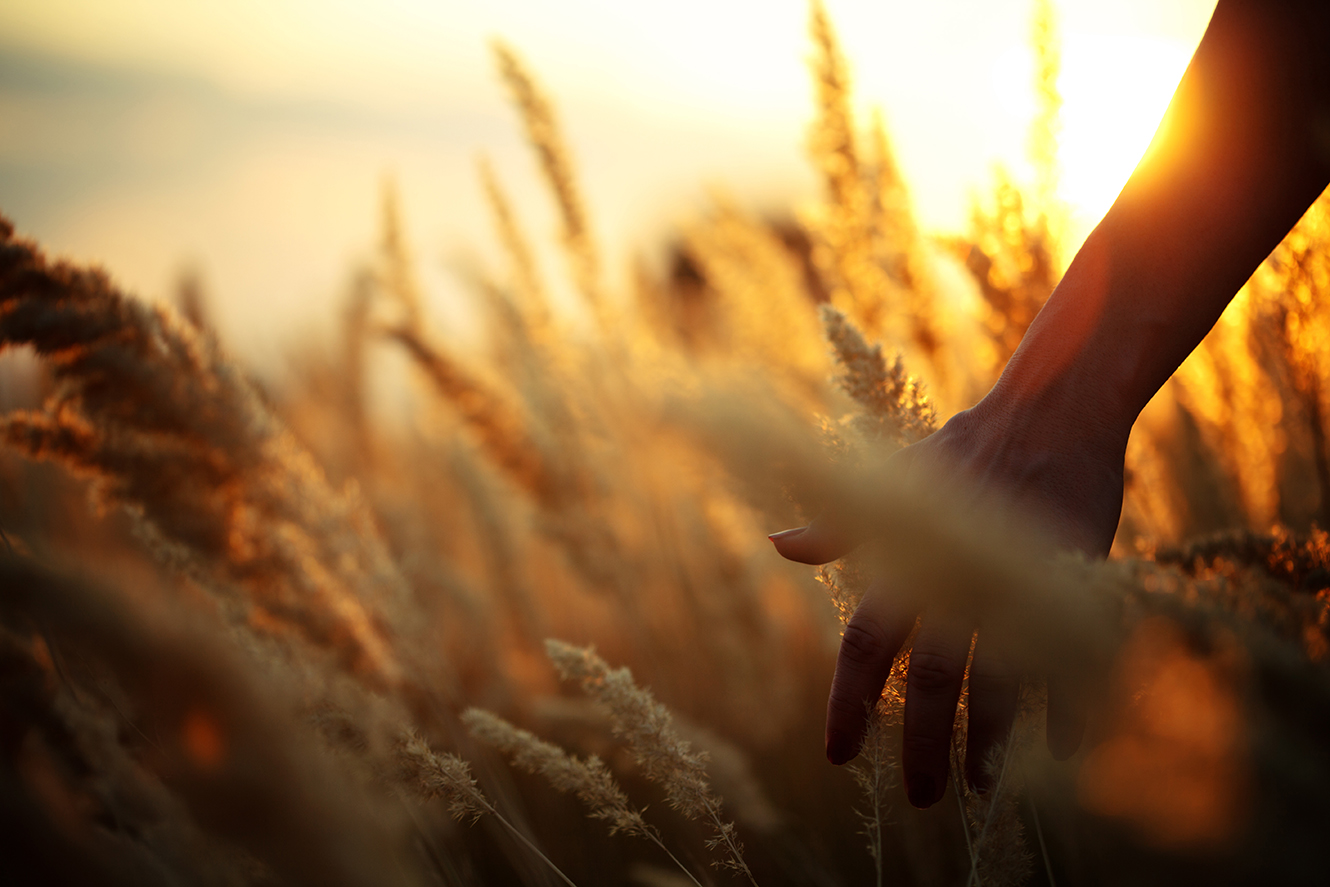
(872, 639)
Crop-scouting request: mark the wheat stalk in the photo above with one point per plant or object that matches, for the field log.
(894, 408)
(433, 775)
(1000, 857)
(534, 307)
(874, 772)
(663, 755)
(546, 138)
(168, 427)
(1044, 128)
(497, 424)
(396, 274)
(589, 779)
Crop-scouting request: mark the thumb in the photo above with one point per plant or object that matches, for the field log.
(818, 543)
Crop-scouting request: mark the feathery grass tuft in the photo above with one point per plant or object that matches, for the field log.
(664, 756)
(168, 427)
(432, 775)
(895, 411)
(546, 138)
(589, 779)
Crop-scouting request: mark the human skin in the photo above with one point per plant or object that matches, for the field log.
(1243, 150)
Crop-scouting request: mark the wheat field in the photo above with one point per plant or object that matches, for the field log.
(522, 625)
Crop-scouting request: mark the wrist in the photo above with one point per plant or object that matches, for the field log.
(1068, 405)
(1054, 427)
(1095, 354)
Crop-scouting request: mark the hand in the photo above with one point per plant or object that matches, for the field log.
(1235, 166)
(1065, 473)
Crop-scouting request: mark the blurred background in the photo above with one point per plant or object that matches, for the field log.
(248, 142)
(240, 616)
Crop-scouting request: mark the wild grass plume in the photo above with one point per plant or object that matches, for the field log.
(272, 631)
(545, 136)
(664, 756)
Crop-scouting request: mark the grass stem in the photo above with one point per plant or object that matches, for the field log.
(531, 846)
(1043, 848)
(992, 807)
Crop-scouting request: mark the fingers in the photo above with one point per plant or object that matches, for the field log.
(1066, 718)
(994, 694)
(933, 687)
(872, 638)
(818, 543)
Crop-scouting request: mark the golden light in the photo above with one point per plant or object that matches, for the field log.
(203, 739)
(1174, 765)
(301, 108)
(1115, 89)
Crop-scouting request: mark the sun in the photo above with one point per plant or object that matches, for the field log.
(1115, 89)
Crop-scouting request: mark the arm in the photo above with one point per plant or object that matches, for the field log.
(1242, 152)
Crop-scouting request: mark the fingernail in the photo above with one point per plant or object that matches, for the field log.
(840, 748)
(786, 534)
(921, 790)
(1064, 743)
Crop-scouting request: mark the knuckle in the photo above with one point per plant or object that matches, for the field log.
(845, 708)
(932, 672)
(926, 746)
(863, 642)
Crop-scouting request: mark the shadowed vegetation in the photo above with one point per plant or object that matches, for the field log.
(270, 635)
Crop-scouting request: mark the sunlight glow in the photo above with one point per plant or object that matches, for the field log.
(144, 133)
(1115, 89)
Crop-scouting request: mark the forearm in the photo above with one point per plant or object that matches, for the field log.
(1244, 149)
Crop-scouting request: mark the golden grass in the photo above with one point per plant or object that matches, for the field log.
(292, 640)
(542, 130)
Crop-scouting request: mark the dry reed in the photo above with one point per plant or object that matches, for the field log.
(545, 137)
(236, 702)
(169, 428)
(875, 774)
(590, 779)
(526, 278)
(663, 755)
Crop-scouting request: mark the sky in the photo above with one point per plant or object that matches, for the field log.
(250, 140)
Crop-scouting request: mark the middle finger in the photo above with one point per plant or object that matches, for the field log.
(932, 689)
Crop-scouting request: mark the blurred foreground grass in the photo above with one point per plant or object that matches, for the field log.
(248, 633)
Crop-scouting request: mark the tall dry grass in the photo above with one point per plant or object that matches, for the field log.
(254, 635)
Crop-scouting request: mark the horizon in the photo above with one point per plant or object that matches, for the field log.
(251, 145)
